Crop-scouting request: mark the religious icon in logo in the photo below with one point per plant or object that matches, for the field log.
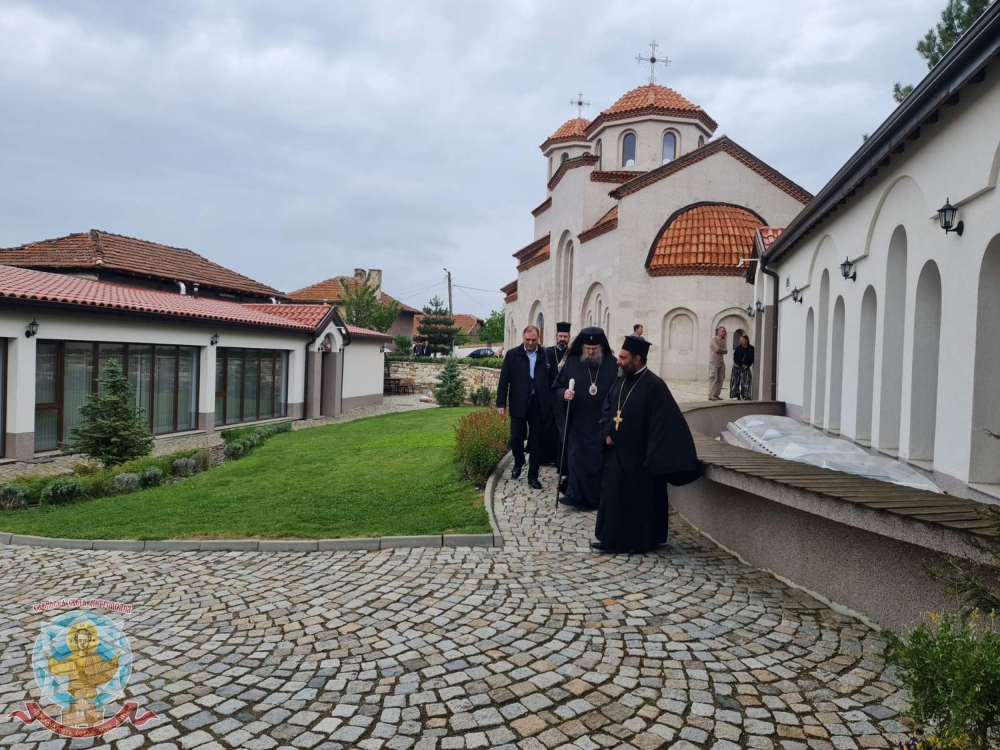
(81, 662)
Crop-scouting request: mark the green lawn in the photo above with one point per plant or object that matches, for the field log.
(383, 476)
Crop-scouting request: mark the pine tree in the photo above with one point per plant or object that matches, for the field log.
(437, 327)
(450, 390)
(364, 308)
(115, 430)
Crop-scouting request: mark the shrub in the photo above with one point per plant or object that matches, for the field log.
(450, 390)
(126, 483)
(13, 497)
(404, 345)
(115, 431)
(234, 451)
(952, 670)
(62, 491)
(241, 440)
(481, 441)
(184, 467)
(482, 396)
(151, 477)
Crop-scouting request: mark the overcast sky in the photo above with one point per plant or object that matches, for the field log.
(296, 140)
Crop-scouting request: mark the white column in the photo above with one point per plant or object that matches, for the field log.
(20, 422)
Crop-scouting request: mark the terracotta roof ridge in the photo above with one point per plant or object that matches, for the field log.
(95, 242)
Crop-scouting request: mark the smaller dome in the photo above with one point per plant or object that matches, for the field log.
(706, 239)
(571, 130)
(653, 99)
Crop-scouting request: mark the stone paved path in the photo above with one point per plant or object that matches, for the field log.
(537, 645)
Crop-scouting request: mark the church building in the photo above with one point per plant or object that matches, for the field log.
(647, 218)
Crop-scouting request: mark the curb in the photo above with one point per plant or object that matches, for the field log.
(491, 484)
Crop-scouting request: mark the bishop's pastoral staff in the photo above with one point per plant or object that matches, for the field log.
(647, 446)
(591, 363)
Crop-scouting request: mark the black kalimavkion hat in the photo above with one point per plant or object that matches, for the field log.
(636, 345)
(562, 327)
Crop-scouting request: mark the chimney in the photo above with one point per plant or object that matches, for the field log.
(359, 274)
(376, 279)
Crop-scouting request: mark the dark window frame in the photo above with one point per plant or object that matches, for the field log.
(279, 396)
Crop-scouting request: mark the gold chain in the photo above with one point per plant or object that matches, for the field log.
(618, 417)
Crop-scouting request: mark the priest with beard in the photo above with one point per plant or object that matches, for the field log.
(591, 363)
(647, 446)
(556, 357)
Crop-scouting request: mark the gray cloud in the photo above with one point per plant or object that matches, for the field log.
(294, 141)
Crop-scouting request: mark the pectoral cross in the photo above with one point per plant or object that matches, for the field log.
(618, 419)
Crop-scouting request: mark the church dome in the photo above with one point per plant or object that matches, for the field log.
(571, 130)
(705, 239)
(653, 99)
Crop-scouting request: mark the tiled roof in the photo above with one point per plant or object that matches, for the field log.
(768, 235)
(510, 291)
(367, 333)
(571, 130)
(651, 100)
(39, 286)
(605, 224)
(722, 144)
(616, 176)
(102, 250)
(585, 160)
(706, 239)
(464, 323)
(331, 290)
(542, 207)
(533, 254)
(310, 315)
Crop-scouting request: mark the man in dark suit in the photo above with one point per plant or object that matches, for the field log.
(556, 356)
(525, 389)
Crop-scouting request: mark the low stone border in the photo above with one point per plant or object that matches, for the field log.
(491, 484)
(258, 545)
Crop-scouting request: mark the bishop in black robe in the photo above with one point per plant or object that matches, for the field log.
(648, 445)
(556, 357)
(584, 440)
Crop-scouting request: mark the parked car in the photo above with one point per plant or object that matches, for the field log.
(481, 354)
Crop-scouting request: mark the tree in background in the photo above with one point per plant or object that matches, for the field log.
(437, 327)
(956, 18)
(115, 431)
(404, 345)
(493, 329)
(450, 388)
(364, 308)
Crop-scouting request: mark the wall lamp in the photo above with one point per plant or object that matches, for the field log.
(796, 295)
(847, 270)
(750, 310)
(32, 329)
(946, 215)
(215, 339)
(759, 305)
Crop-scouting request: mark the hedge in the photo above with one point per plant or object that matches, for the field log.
(240, 441)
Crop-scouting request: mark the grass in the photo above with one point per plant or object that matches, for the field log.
(384, 476)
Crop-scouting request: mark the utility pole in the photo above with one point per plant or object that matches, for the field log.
(451, 311)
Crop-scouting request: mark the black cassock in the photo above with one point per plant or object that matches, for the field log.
(652, 448)
(584, 438)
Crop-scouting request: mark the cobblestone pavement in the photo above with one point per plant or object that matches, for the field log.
(163, 446)
(538, 645)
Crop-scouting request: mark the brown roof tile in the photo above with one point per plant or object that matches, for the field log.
(585, 160)
(533, 254)
(651, 99)
(102, 250)
(542, 207)
(332, 290)
(510, 291)
(367, 333)
(605, 224)
(616, 176)
(571, 130)
(707, 239)
(310, 315)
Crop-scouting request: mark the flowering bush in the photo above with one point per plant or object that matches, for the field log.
(952, 669)
(481, 441)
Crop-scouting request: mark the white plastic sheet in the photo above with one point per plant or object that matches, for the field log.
(785, 438)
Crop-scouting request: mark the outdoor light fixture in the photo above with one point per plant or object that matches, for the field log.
(215, 339)
(759, 305)
(946, 215)
(796, 295)
(750, 310)
(32, 329)
(847, 270)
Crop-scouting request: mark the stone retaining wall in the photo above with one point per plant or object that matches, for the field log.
(424, 375)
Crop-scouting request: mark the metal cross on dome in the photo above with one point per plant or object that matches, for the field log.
(579, 103)
(652, 61)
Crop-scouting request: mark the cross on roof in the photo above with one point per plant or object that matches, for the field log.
(652, 61)
(579, 103)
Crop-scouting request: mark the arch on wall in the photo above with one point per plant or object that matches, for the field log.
(564, 276)
(866, 365)
(598, 148)
(671, 142)
(915, 202)
(734, 319)
(535, 316)
(628, 148)
(983, 465)
(836, 365)
(893, 318)
(807, 371)
(511, 337)
(679, 345)
(596, 307)
(701, 141)
(822, 333)
(926, 359)
(991, 181)
(824, 245)
(564, 157)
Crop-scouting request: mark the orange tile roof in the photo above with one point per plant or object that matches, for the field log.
(310, 315)
(533, 254)
(542, 207)
(706, 239)
(331, 290)
(722, 144)
(102, 250)
(571, 130)
(56, 288)
(584, 160)
(605, 224)
(651, 99)
(465, 323)
(768, 235)
(616, 176)
(367, 333)
(510, 291)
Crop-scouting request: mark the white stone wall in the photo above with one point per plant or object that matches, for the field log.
(364, 368)
(424, 375)
(649, 141)
(957, 158)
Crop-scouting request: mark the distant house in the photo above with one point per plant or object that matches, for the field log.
(202, 346)
(470, 325)
(331, 291)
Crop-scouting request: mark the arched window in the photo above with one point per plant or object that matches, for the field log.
(540, 322)
(550, 167)
(565, 156)
(628, 150)
(669, 147)
(597, 148)
(701, 141)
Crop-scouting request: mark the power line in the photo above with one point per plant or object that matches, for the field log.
(477, 289)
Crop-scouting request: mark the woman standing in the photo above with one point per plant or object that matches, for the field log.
(742, 376)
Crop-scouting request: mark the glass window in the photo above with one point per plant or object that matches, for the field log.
(628, 150)
(563, 158)
(140, 375)
(78, 383)
(187, 388)
(669, 147)
(266, 385)
(280, 384)
(597, 148)
(701, 141)
(46, 396)
(234, 385)
(165, 385)
(109, 353)
(251, 379)
(220, 387)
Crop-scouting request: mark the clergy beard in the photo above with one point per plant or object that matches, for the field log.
(561, 346)
(594, 361)
(626, 370)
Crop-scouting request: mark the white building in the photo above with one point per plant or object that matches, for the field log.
(663, 247)
(904, 360)
(196, 363)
